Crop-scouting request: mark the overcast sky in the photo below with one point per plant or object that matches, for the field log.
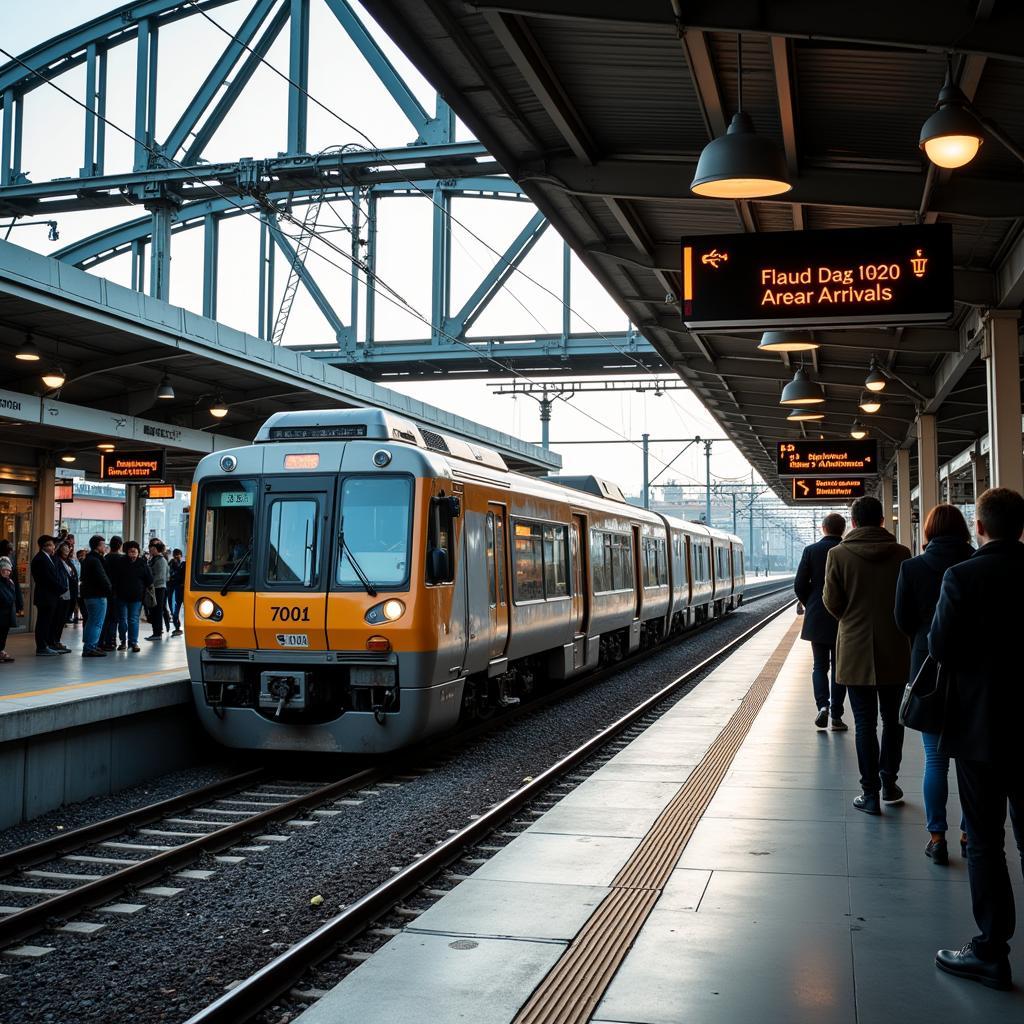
(256, 127)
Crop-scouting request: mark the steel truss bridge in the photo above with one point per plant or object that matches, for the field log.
(170, 179)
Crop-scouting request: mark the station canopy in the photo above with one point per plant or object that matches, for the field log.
(600, 109)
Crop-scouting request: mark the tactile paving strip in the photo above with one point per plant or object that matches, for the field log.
(573, 988)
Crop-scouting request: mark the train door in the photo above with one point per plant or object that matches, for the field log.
(638, 569)
(580, 590)
(497, 580)
(291, 583)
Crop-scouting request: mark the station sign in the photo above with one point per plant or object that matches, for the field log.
(813, 488)
(818, 278)
(132, 467)
(154, 491)
(64, 491)
(827, 458)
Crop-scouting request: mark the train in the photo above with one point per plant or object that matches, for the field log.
(358, 583)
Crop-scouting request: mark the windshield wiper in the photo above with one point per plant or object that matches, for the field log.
(347, 552)
(234, 571)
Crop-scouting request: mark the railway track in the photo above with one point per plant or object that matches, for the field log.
(144, 845)
(244, 1001)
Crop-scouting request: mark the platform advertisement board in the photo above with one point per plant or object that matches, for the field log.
(827, 490)
(827, 458)
(774, 279)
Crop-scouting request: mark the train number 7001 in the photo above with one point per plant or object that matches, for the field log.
(286, 613)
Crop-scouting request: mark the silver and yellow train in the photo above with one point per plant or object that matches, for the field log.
(358, 583)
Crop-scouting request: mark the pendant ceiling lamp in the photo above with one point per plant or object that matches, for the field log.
(802, 415)
(952, 136)
(165, 392)
(801, 390)
(787, 341)
(741, 164)
(27, 351)
(54, 378)
(869, 402)
(875, 380)
(858, 432)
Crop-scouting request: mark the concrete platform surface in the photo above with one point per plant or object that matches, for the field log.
(786, 905)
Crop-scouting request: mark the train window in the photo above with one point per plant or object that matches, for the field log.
(293, 556)
(655, 562)
(376, 514)
(528, 562)
(225, 529)
(499, 549)
(556, 570)
(600, 561)
(492, 594)
(622, 561)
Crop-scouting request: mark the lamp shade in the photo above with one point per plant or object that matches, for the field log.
(875, 380)
(219, 409)
(952, 136)
(787, 341)
(68, 457)
(857, 431)
(801, 390)
(165, 392)
(27, 351)
(802, 415)
(54, 378)
(869, 402)
(741, 165)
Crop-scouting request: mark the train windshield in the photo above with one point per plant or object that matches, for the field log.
(377, 516)
(225, 531)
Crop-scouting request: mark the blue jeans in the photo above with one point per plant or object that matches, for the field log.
(175, 599)
(110, 627)
(128, 623)
(825, 663)
(936, 784)
(95, 613)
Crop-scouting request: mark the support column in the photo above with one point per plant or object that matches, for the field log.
(647, 470)
(134, 514)
(161, 217)
(42, 521)
(1001, 352)
(904, 525)
(211, 256)
(979, 472)
(928, 464)
(887, 499)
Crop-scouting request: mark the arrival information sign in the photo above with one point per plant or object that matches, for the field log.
(828, 458)
(812, 488)
(824, 278)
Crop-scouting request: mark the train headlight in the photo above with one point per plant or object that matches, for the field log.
(386, 611)
(209, 609)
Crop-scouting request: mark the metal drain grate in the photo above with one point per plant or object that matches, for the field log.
(571, 991)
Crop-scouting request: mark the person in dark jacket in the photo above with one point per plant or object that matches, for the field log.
(133, 578)
(112, 561)
(69, 574)
(977, 634)
(819, 627)
(47, 591)
(872, 655)
(10, 599)
(95, 591)
(177, 568)
(947, 542)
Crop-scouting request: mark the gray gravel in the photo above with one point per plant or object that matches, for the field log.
(178, 954)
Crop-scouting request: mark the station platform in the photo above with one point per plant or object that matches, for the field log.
(73, 727)
(713, 870)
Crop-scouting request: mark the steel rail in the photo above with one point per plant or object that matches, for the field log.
(254, 994)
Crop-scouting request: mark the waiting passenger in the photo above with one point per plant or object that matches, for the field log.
(158, 569)
(10, 604)
(95, 591)
(872, 655)
(177, 568)
(819, 627)
(947, 542)
(112, 561)
(977, 636)
(133, 578)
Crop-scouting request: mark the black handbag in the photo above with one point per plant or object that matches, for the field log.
(924, 700)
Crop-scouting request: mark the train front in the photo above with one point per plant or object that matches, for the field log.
(320, 587)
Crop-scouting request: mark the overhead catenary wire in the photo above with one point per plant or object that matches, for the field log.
(390, 293)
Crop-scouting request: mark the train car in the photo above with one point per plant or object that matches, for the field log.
(358, 584)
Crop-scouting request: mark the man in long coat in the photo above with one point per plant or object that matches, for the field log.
(872, 655)
(819, 627)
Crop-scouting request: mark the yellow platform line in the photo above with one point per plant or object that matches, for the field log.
(94, 682)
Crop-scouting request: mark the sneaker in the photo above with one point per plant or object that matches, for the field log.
(838, 725)
(47, 653)
(822, 718)
(177, 632)
(964, 963)
(868, 803)
(135, 648)
(122, 647)
(938, 851)
(155, 636)
(94, 654)
(891, 794)
(61, 649)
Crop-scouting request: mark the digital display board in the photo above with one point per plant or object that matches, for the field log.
(132, 467)
(64, 491)
(828, 458)
(825, 278)
(812, 488)
(154, 491)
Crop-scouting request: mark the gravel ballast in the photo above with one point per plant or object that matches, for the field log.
(179, 953)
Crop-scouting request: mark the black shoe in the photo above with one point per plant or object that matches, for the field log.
(822, 719)
(47, 653)
(868, 803)
(155, 636)
(892, 794)
(963, 847)
(838, 725)
(94, 654)
(965, 964)
(938, 851)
